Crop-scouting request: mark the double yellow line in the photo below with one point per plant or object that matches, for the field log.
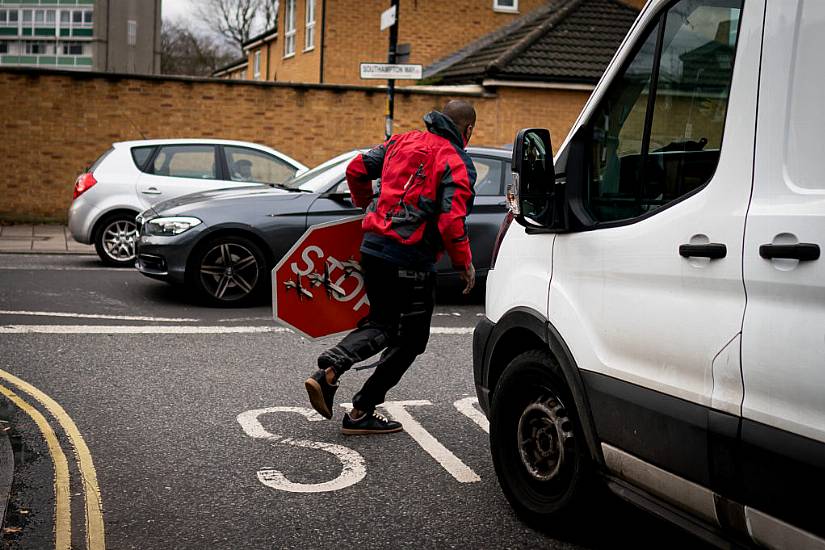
(95, 536)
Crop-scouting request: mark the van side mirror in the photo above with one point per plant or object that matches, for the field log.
(534, 197)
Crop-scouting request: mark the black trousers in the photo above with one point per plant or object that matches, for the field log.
(401, 308)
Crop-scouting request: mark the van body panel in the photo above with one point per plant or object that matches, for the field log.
(624, 298)
(783, 340)
(523, 271)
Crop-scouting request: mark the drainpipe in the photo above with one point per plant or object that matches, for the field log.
(323, 34)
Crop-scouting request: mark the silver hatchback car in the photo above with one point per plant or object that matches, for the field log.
(134, 175)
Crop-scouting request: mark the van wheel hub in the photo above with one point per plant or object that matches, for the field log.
(543, 434)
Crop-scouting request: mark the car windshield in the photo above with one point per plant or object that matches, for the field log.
(321, 176)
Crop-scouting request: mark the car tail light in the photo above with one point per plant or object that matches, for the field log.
(83, 183)
(505, 224)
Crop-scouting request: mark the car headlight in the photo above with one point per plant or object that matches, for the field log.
(166, 227)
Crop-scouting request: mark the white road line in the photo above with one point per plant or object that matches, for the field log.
(97, 316)
(124, 329)
(456, 468)
(102, 329)
(55, 268)
(465, 407)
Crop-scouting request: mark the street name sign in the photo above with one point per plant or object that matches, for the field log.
(388, 18)
(391, 71)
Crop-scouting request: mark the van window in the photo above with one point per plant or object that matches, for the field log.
(657, 135)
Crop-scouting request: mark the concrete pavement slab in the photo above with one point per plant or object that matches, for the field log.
(51, 244)
(18, 231)
(8, 245)
(50, 230)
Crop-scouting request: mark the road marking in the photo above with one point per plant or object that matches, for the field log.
(125, 329)
(454, 466)
(62, 507)
(353, 467)
(97, 316)
(95, 536)
(465, 407)
(54, 268)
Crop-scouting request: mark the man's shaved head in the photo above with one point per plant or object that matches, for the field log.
(461, 113)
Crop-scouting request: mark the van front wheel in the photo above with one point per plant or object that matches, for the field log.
(538, 449)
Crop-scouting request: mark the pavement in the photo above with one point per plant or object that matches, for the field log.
(40, 239)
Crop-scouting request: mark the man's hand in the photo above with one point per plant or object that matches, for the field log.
(469, 278)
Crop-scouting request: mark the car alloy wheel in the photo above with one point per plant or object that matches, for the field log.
(229, 271)
(115, 240)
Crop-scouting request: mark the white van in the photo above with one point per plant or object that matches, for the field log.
(655, 318)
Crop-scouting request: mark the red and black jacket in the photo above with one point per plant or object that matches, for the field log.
(425, 194)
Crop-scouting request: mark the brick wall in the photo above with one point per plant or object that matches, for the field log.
(58, 123)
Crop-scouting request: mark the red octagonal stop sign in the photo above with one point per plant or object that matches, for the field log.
(318, 286)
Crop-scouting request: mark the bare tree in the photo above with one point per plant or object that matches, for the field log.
(185, 52)
(237, 20)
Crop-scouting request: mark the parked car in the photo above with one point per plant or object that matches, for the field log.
(193, 239)
(134, 175)
(655, 317)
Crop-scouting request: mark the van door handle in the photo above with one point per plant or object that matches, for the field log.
(804, 252)
(714, 251)
(152, 191)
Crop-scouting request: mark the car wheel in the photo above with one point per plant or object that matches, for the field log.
(229, 271)
(115, 240)
(539, 452)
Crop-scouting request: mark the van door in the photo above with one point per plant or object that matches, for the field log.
(650, 298)
(783, 336)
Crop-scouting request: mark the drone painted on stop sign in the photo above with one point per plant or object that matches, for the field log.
(317, 279)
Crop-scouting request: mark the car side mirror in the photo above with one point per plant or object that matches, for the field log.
(534, 196)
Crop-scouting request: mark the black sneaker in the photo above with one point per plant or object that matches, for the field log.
(321, 393)
(369, 423)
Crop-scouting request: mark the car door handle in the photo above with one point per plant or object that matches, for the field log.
(152, 191)
(714, 251)
(804, 252)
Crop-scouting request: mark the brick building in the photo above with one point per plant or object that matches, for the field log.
(96, 35)
(324, 41)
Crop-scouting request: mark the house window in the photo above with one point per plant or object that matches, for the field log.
(4, 47)
(309, 36)
(72, 48)
(132, 32)
(289, 28)
(65, 17)
(51, 16)
(510, 6)
(256, 66)
(36, 48)
(8, 18)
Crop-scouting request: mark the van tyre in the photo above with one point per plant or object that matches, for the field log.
(538, 448)
(228, 271)
(115, 238)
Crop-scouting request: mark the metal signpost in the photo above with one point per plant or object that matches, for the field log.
(391, 60)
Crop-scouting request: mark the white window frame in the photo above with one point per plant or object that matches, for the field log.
(131, 32)
(505, 9)
(289, 28)
(309, 34)
(256, 65)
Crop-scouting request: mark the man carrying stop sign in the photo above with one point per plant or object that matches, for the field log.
(426, 192)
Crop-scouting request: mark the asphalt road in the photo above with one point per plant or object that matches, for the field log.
(203, 438)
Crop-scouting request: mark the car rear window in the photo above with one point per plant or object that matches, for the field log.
(140, 155)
